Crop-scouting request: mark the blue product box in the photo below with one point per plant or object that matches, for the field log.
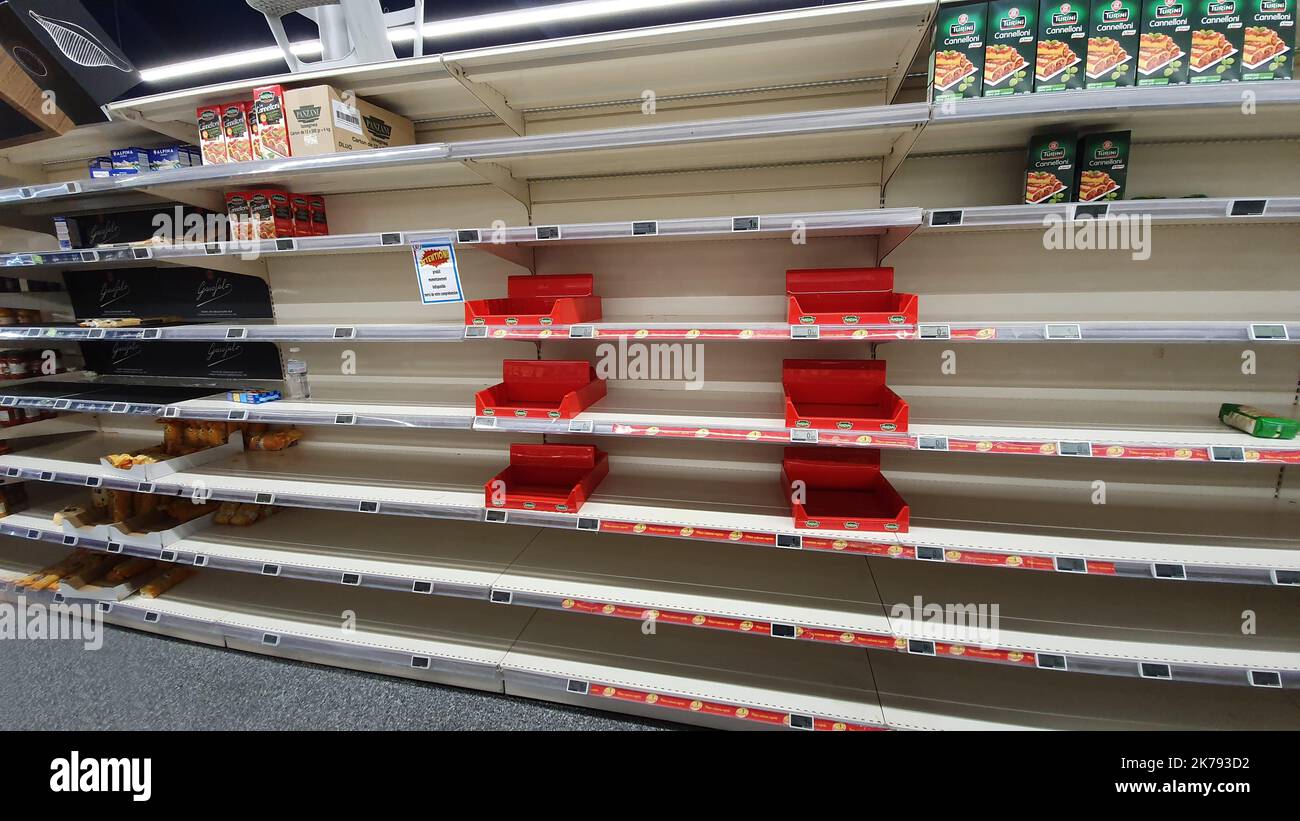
(166, 159)
(129, 161)
(252, 397)
(100, 167)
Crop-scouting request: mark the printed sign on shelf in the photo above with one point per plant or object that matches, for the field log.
(435, 268)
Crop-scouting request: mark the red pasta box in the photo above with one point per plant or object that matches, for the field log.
(558, 478)
(840, 395)
(234, 124)
(239, 215)
(301, 215)
(546, 389)
(841, 489)
(212, 137)
(548, 299)
(271, 213)
(319, 223)
(272, 129)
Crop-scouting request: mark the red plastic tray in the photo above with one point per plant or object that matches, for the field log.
(842, 490)
(552, 389)
(554, 299)
(840, 394)
(547, 477)
(847, 296)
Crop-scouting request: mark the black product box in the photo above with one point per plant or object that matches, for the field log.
(957, 60)
(1009, 50)
(1049, 171)
(1113, 44)
(1103, 166)
(1166, 42)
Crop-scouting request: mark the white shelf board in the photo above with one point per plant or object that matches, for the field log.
(1015, 523)
(813, 45)
(1185, 112)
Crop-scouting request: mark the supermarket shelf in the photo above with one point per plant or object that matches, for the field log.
(699, 676)
(960, 422)
(1192, 210)
(1027, 524)
(811, 46)
(694, 328)
(498, 241)
(797, 137)
(1185, 112)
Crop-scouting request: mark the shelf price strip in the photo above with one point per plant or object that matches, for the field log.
(771, 717)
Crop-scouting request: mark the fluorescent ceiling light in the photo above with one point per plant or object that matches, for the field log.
(500, 21)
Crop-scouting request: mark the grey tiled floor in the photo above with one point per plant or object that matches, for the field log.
(145, 682)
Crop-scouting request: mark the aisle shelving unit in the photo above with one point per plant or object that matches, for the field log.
(775, 142)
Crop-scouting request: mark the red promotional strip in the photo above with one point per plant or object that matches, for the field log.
(973, 333)
(733, 434)
(999, 559)
(716, 708)
(975, 652)
(1139, 452)
(679, 532)
(893, 551)
(991, 446)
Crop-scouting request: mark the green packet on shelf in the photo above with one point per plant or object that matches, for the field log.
(1258, 423)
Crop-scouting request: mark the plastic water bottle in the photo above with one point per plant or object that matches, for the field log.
(295, 377)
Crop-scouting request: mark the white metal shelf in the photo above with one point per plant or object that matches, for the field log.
(699, 676)
(957, 422)
(1006, 525)
(771, 594)
(505, 241)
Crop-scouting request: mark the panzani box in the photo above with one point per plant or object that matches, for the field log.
(1062, 45)
(1103, 166)
(1165, 42)
(957, 61)
(1270, 33)
(1049, 172)
(1009, 48)
(1113, 44)
(322, 121)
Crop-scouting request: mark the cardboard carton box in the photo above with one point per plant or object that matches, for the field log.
(1103, 166)
(1010, 47)
(1269, 40)
(1062, 45)
(1049, 172)
(322, 121)
(957, 61)
(1217, 39)
(1166, 42)
(1113, 44)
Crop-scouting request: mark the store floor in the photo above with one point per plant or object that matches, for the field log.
(138, 681)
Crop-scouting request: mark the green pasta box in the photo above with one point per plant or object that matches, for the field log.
(1062, 45)
(1049, 171)
(1165, 42)
(1103, 166)
(1112, 44)
(1258, 423)
(1009, 48)
(1269, 36)
(1217, 32)
(957, 63)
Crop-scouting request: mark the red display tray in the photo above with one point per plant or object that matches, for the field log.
(554, 299)
(547, 477)
(553, 389)
(847, 296)
(840, 394)
(842, 490)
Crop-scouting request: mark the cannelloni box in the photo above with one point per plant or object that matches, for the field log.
(1217, 32)
(1009, 48)
(1062, 45)
(957, 60)
(1113, 44)
(1165, 44)
(1049, 172)
(1269, 40)
(1103, 166)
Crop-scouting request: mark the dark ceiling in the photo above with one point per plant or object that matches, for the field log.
(158, 32)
